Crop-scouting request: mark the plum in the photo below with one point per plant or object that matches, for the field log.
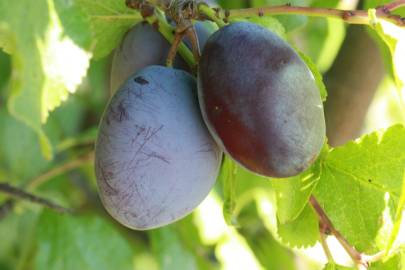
(260, 100)
(155, 160)
(143, 46)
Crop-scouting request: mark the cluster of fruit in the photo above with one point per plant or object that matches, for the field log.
(160, 143)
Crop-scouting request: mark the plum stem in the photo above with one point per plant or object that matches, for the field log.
(348, 16)
(211, 13)
(173, 48)
(158, 19)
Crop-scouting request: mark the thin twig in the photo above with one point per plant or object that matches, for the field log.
(21, 194)
(348, 16)
(328, 227)
(393, 6)
(36, 182)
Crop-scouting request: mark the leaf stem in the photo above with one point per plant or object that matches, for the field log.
(348, 16)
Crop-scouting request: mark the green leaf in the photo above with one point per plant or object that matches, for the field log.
(170, 251)
(332, 266)
(47, 64)
(302, 231)
(394, 38)
(293, 193)
(5, 69)
(394, 263)
(80, 242)
(110, 19)
(20, 153)
(355, 180)
(397, 220)
(228, 177)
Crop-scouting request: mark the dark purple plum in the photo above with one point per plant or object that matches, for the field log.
(143, 46)
(155, 160)
(260, 100)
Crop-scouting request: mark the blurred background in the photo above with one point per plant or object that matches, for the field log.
(362, 98)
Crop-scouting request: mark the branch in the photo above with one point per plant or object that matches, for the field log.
(348, 16)
(21, 194)
(389, 7)
(328, 228)
(6, 207)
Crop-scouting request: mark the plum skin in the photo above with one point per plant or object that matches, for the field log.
(155, 160)
(143, 46)
(260, 101)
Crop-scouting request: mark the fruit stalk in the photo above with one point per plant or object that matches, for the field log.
(159, 20)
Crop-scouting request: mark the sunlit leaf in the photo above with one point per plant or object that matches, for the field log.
(47, 63)
(394, 37)
(355, 180)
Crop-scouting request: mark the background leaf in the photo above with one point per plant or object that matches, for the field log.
(170, 252)
(80, 242)
(109, 19)
(47, 65)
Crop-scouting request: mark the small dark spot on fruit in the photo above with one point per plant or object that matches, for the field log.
(140, 80)
(369, 180)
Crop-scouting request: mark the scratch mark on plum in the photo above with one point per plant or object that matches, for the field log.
(110, 190)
